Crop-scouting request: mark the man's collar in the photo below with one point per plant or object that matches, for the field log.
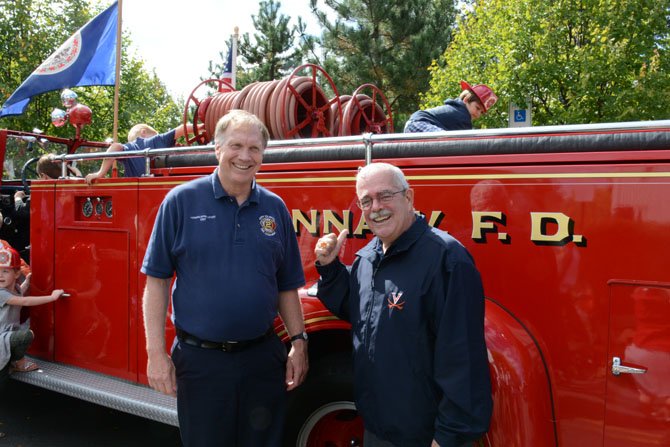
(403, 243)
(219, 192)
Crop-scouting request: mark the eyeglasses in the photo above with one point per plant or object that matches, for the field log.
(384, 197)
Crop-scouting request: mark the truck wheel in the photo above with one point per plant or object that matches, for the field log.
(321, 411)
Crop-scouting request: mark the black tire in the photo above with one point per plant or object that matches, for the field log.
(321, 411)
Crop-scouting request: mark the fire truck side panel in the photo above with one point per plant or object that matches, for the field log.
(96, 262)
(638, 406)
(42, 202)
(571, 246)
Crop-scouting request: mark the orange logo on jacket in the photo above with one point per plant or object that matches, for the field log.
(394, 302)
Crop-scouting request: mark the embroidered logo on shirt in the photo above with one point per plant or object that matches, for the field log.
(268, 225)
(202, 217)
(394, 302)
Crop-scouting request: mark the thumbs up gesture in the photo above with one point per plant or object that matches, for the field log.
(329, 246)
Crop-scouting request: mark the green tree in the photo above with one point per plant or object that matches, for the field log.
(577, 61)
(30, 30)
(389, 43)
(272, 53)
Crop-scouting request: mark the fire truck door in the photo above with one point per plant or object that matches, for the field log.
(95, 253)
(637, 409)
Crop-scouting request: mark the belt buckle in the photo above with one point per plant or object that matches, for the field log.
(228, 346)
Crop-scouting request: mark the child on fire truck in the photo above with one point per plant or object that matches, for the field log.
(15, 337)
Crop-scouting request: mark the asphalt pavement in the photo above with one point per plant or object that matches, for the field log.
(35, 417)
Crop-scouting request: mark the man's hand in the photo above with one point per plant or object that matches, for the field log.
(161, 374)
(297, 364)
(329, 246)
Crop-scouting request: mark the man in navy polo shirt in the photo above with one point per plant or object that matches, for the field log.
(232, 246)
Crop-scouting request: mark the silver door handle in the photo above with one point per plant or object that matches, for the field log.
(618, 368)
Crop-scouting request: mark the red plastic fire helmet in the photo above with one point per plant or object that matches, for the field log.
(483, 93)
(9, 258)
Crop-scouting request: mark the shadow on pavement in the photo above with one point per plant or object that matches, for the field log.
(35, 417)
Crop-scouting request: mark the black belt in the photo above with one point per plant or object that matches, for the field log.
(225, 346)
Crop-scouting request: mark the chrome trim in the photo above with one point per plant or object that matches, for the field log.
(104, 390)
(618, 368)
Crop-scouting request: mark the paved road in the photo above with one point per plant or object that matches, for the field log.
(34, 417)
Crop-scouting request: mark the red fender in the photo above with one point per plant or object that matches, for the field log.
(523, 413)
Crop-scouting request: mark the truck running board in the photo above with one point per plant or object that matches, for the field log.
(103, 390)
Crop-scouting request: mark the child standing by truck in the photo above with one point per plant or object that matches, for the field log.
(15, 338)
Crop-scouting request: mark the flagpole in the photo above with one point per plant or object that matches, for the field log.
(117, 77)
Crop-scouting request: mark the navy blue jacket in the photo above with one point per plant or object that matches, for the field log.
(417, 312)
(453, 115)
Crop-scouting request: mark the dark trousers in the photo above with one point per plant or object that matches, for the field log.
(19, 342)
(231, 398)
(370, 440)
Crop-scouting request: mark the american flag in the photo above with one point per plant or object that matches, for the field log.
(229, 68)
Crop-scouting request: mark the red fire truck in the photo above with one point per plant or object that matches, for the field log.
(569, 226)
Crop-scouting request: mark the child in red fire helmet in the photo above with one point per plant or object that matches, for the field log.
(455, 114)
(15, 338)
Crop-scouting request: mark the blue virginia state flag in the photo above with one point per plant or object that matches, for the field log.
(86, 58)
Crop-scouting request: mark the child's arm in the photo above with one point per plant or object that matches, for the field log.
(74, 170)
(25, 285)
(181, 131)
(35, 300)
(106, 164)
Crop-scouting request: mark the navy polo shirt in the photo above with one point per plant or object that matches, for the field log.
(134, 167)
(231, 261)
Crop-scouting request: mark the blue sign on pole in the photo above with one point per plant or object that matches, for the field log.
(519, 116)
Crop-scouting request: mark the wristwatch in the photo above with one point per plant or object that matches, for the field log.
(300, 336)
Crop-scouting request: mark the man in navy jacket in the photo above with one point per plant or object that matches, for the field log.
(415, 302)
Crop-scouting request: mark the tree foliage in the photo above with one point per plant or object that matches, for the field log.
(273, 52)
(577, 61)
(386, 43)
(30, 30)
(389, 43)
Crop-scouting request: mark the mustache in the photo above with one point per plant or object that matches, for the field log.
(381, 213)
